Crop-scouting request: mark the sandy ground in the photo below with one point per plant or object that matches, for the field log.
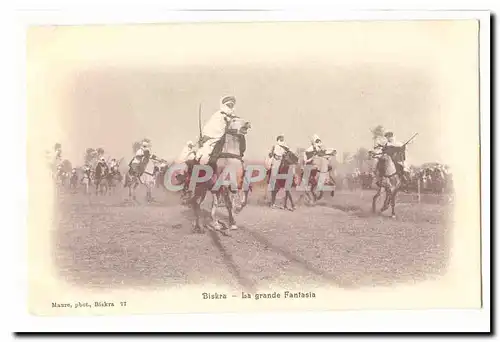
(109, 241)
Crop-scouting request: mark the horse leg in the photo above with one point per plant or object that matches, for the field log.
(148, 193)
(213, 213)
(313, 194)
(288, 195)
(229, 207)
(245, 199)
(375, 198)
(134, 188)
(274, 192)
(196, 205)
(265, 188)
(388, 194)
(393, 203)
(320, 195)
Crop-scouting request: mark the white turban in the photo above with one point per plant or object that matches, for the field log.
(314, 138)
(223, 104)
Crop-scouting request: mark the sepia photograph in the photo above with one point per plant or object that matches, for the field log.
(253, 166)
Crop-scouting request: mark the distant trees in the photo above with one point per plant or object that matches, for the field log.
(346, 157)
(377, 133)
(100, 152)
(54, 157)
(90, 156)
(361, 157)
(66, 165)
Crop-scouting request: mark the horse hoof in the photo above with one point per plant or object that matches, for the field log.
(233, 227)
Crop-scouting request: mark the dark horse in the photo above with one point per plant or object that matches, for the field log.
(114, 177)
(137, 175)
(390, 180)
(100, 179)
(288, 160)
(226, 157)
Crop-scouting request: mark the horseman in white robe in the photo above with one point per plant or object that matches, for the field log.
(315, 149)
(215, 129)
(277, 152)
(187, 153)
(113, 165)
(101, 169)
(60, 173)
(74, 178)
(136, 162)
(397, 151)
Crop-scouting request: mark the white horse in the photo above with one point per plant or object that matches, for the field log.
(141, 174)
(320, 168)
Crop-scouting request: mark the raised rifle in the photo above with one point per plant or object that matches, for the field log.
(200, 138)
(409, 140)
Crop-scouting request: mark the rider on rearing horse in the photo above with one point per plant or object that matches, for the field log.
(277, 151)
(211, 138)
(141, 155)
(397, 151)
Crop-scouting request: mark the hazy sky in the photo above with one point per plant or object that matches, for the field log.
(110, 86)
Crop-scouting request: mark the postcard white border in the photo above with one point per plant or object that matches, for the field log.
(14, 200)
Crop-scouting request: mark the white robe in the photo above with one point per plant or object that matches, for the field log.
(277, 153)
(214, 130)
(186, 154)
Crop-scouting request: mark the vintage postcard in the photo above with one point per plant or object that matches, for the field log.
(253, 166)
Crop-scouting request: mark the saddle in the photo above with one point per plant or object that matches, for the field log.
(217, 150)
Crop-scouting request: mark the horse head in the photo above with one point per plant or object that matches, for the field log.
(238, 125)
(290, 158)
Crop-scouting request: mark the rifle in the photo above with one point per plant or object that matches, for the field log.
(409, 140)
(199, 125)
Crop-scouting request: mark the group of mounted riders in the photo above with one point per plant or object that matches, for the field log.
(102, 175)
(221, 145)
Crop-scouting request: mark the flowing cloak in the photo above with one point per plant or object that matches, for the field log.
(216, 126)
